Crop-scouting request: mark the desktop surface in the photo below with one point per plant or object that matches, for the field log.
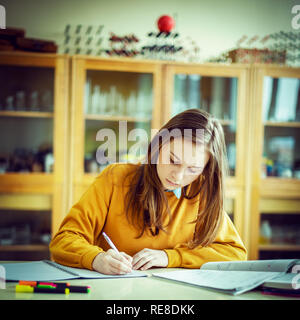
(144, 288)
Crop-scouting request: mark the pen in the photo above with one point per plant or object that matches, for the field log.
(110, 242)
(23, 288)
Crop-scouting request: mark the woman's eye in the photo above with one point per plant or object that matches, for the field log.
(194, 170)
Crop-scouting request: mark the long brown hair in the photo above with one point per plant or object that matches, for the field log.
(146, 200)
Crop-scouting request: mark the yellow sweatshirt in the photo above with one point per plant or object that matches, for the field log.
(101, 208)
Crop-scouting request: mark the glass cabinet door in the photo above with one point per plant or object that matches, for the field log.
(116, 93)
(216, 95)
(33, 151)
(26, 119)
(29, 86)
(115, 105)
(25, 226)
(281, 118)
(275, 160)
(118, 114)
(279, 229)
(222, 91)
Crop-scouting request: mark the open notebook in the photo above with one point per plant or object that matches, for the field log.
(234, 277)
(46, 270)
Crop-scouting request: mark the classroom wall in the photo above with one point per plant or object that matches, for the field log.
(215, 25)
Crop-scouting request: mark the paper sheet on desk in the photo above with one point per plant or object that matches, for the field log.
(88, 274)
(50, 271)
(234, 282)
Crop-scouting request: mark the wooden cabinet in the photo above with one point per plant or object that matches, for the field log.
(274, 142)
(92, 94)
(34, 130)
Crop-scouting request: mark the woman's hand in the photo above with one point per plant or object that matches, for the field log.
(112, 262)
(148, 258)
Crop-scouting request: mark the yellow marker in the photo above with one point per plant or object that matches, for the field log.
(23, 288)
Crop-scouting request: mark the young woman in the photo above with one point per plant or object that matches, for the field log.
(165, 212)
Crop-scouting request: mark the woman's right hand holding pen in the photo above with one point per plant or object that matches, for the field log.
(112, 262)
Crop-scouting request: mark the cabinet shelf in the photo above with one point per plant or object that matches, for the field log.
(279, 247)
(26, 114)
(32, 202)
(116, 118)
(24, 247)
(290, 124)
(41, 183)
(279, 206)
(276, 187)
(226, 122)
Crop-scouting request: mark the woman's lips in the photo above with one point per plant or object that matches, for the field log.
(171, 183)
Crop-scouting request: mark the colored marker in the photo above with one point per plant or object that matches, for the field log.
(44, 286)
(58, 285)
(35, 283)
(78, 289)
(30, 289)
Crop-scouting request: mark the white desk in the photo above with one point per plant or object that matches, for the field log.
(146, 288)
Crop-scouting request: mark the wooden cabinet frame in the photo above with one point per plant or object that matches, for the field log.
(236, 187)
(265, 192)
(80, 65)
(52, 184)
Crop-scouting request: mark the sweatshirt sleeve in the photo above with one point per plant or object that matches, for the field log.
(74, 243)
(227, 246)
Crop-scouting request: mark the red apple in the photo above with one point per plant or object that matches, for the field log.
(165, 23)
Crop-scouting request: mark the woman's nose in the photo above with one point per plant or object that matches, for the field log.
(178, 175)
